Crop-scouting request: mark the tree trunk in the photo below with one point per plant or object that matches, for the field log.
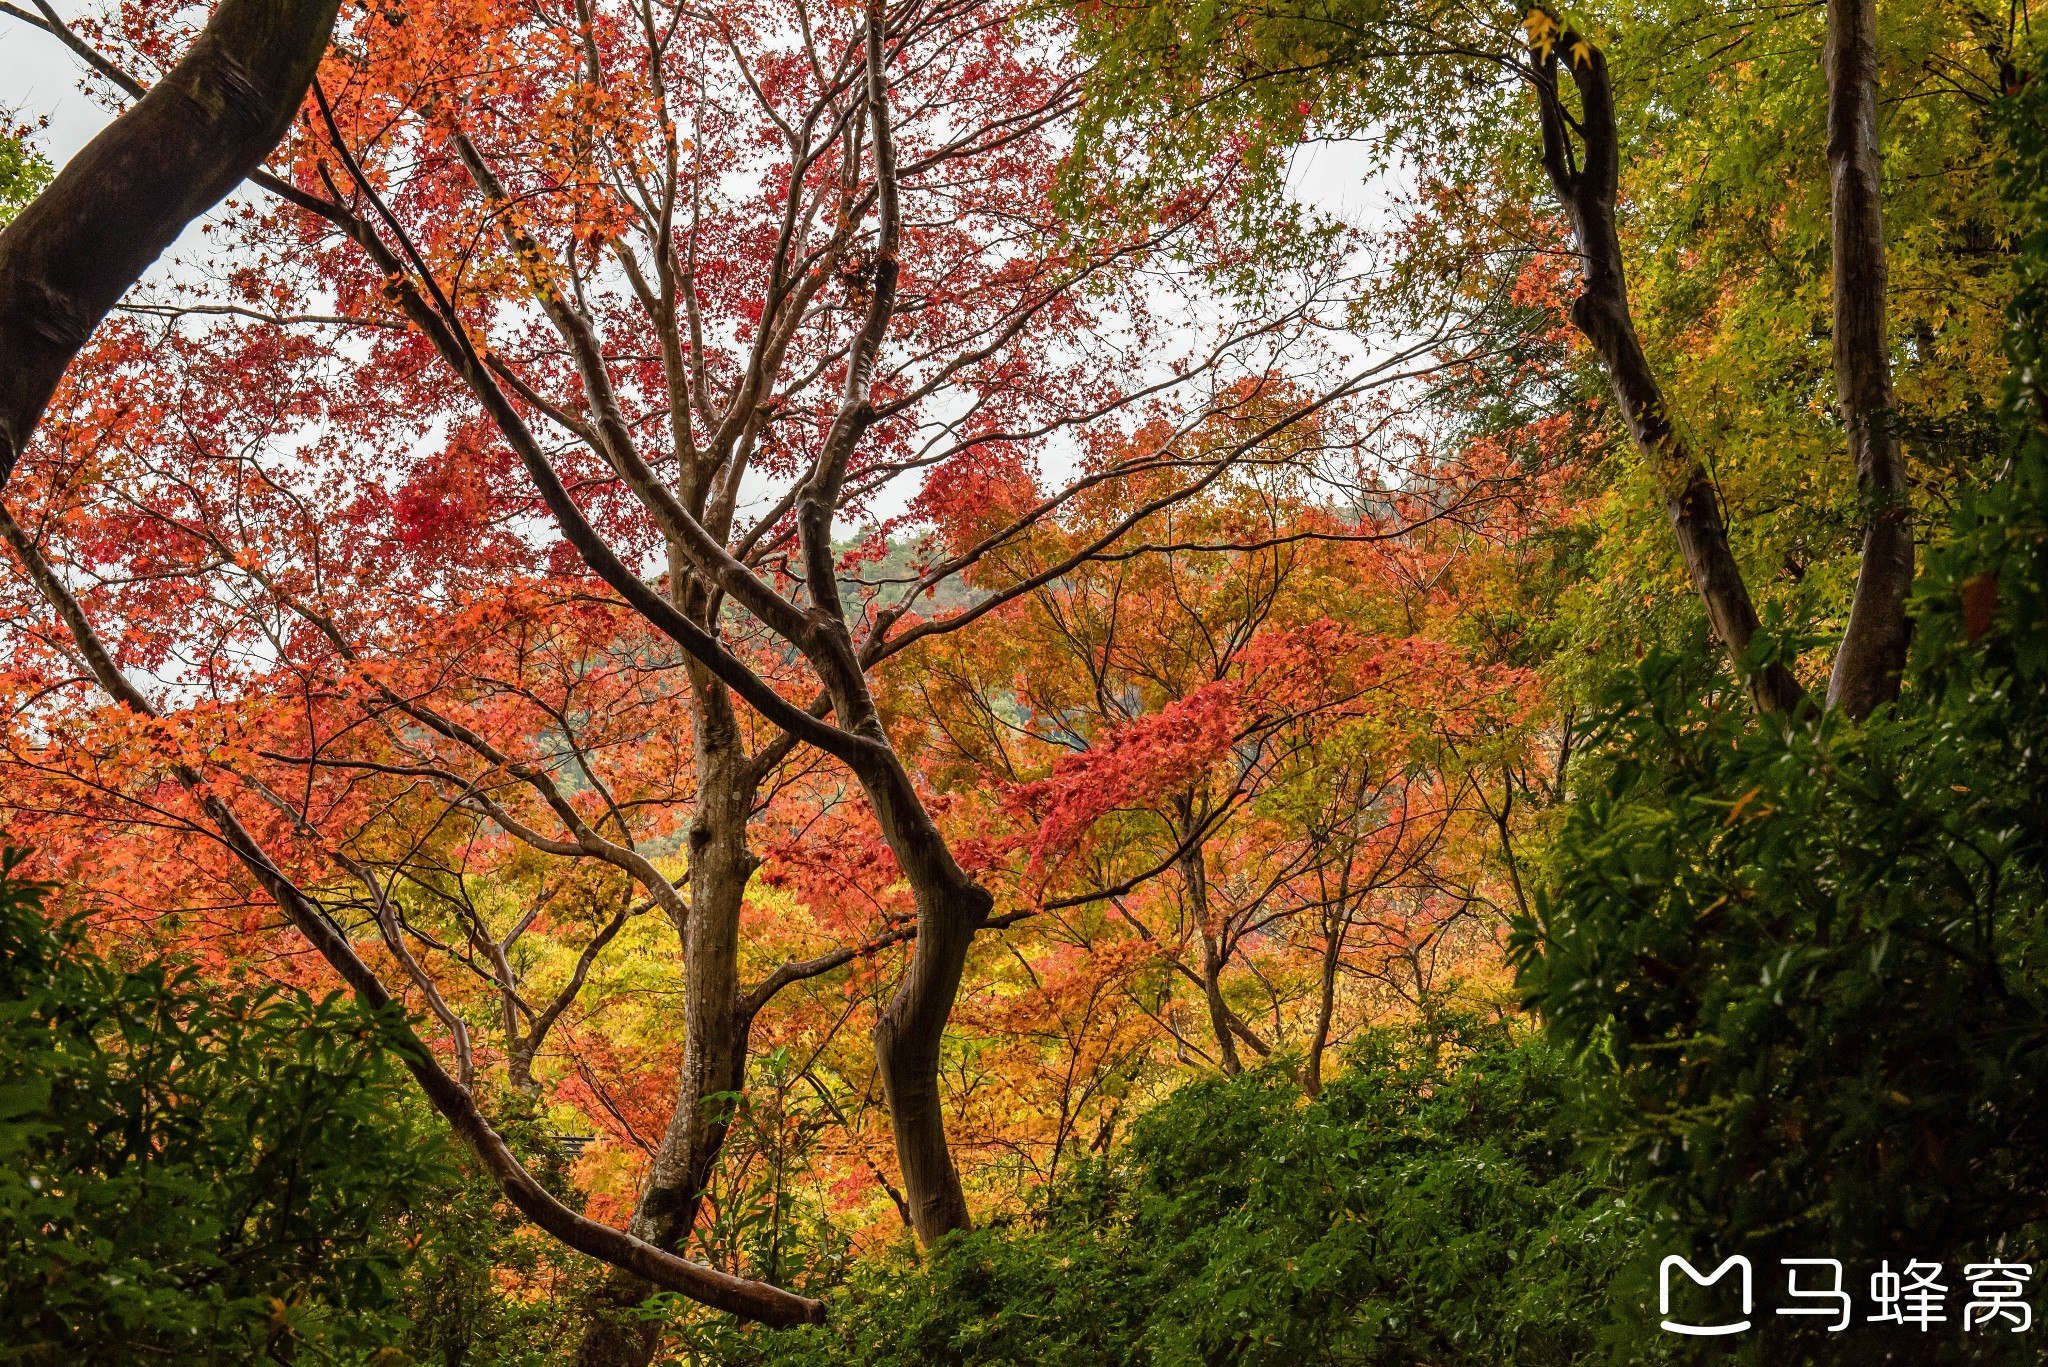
(1873, 651)
(120, 202)
(1334, 929)
(715, 1022)
(909, 1032)
(907, 1038)
(1219, 1010)
(715, 1025)
(519, 1070)
(1194, 876)
(1601, 312)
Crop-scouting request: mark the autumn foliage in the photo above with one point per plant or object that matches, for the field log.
(838, 603)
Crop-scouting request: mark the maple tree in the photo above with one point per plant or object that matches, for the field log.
(1227, 730)
(860, 620)
(1170, 83)
(416, 689)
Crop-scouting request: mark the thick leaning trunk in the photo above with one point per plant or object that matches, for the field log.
(909, 1032)
(1873, 652)
(120, 202)
(1601, 312)
(907, 1037)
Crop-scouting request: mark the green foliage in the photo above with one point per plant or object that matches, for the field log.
(762, 1214)
(23, 171)
(196, 1177)
(1425, 1208)
(1809, 964)
(479, 1287)
(1812, 962)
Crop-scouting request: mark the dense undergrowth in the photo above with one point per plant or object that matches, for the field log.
(195, 1176)
(1428, 1206)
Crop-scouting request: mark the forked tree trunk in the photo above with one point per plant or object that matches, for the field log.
(1873, 652)
(1587, 192)
(951, 907)
(1872, 655)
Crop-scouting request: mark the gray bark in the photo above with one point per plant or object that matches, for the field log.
(1873, 651)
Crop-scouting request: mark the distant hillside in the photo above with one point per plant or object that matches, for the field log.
(887, 580)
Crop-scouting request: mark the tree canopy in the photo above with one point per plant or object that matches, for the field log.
(993, 683)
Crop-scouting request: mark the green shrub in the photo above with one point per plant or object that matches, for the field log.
(1807, 965)
(1426, 1208)
(189, 1176)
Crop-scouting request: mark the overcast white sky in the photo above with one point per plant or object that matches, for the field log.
(38, 77)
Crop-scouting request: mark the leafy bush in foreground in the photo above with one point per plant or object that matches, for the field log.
(1426, 1208)
(194, 1177)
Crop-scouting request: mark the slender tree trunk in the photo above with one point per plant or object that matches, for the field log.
(1219, 1010)
(1334, 928)
(1194, 876)
(1601, 312)
(1873, 651)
